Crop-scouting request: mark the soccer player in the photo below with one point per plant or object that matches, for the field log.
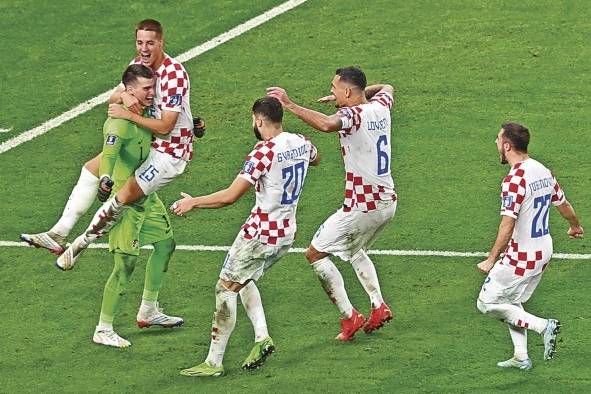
(277, 168)
(526, 195)
(363, 124)
(125, 147)
(171, 123)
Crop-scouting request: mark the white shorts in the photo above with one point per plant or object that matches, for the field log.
(158, 170)
(250, 259)
(502, 286)
(343, 234)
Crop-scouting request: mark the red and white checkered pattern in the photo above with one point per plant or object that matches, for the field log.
(384, 99)
(525, 262)
(174, 80)
(179, 146)
(258, 162)
(365, 140)
(172, 94)
(351, 119)
(273, 167)
(268, 231)
(362, 196)
(557, 195)
(513, 191)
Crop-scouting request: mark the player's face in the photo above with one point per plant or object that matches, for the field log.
(143, 90)
(340, 90)
(149, 47)
(501, 147)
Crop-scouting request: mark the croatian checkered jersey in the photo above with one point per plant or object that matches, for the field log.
(366, 149)
(172, 94)
(277, 168)
(527, 194)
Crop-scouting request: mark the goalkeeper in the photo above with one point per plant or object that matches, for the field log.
(125, 147)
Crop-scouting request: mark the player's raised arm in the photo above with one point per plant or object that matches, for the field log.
(372, 90)
(218, 199)
(317, 120)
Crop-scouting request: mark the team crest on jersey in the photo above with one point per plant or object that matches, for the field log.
(175, 99)
(248, 167)
(135, 243)
(507, 202)
(111, 140)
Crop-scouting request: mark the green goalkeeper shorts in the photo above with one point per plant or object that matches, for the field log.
(140, 224)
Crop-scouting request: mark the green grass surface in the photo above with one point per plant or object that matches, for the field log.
(461, 68)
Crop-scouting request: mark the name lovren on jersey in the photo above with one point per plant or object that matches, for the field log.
(292, 153)
(377, 125)
(540, 183)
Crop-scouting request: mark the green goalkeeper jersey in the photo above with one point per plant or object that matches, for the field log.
(125, 147)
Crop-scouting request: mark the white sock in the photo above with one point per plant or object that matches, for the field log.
(515, 315)
(519, 338)
(366, 273)
(79, 202)
(253, 305)
(105, 324)
(104, 219)
(224, 320)
(333, 284)
(147, 308)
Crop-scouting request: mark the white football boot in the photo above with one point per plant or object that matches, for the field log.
(156, 317)
(67, 259)
(550, 334)
(109, 338)
(48, 240)
(524, 365)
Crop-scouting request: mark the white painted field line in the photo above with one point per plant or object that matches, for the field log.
(387, 252)
(190, 54)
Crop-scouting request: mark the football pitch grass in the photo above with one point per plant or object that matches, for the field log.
(461, 68)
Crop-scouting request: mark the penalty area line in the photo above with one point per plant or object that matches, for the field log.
(385, 252)
(184, 57)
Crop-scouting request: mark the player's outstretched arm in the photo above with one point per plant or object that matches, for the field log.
(218, 199)
(504, 235)
(317, 120)
(568, 213)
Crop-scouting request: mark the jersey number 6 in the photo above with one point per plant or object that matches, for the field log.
(383, 156)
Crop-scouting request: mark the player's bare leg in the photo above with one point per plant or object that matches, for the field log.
(102, 222)
(80, 200)
(334, 286)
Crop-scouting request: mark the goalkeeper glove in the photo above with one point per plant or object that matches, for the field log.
(105, 188)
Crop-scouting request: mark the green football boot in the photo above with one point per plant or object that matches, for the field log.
(203, 369)
(259, 354)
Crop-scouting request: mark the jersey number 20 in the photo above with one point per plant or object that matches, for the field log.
(293, 180)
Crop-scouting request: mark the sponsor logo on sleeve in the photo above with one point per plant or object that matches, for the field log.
(111, 139)
(175, 99)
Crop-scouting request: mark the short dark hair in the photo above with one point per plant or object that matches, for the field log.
(517, 135)
(150, 25)
(354, 75)
(270, 108)
(135, 71)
